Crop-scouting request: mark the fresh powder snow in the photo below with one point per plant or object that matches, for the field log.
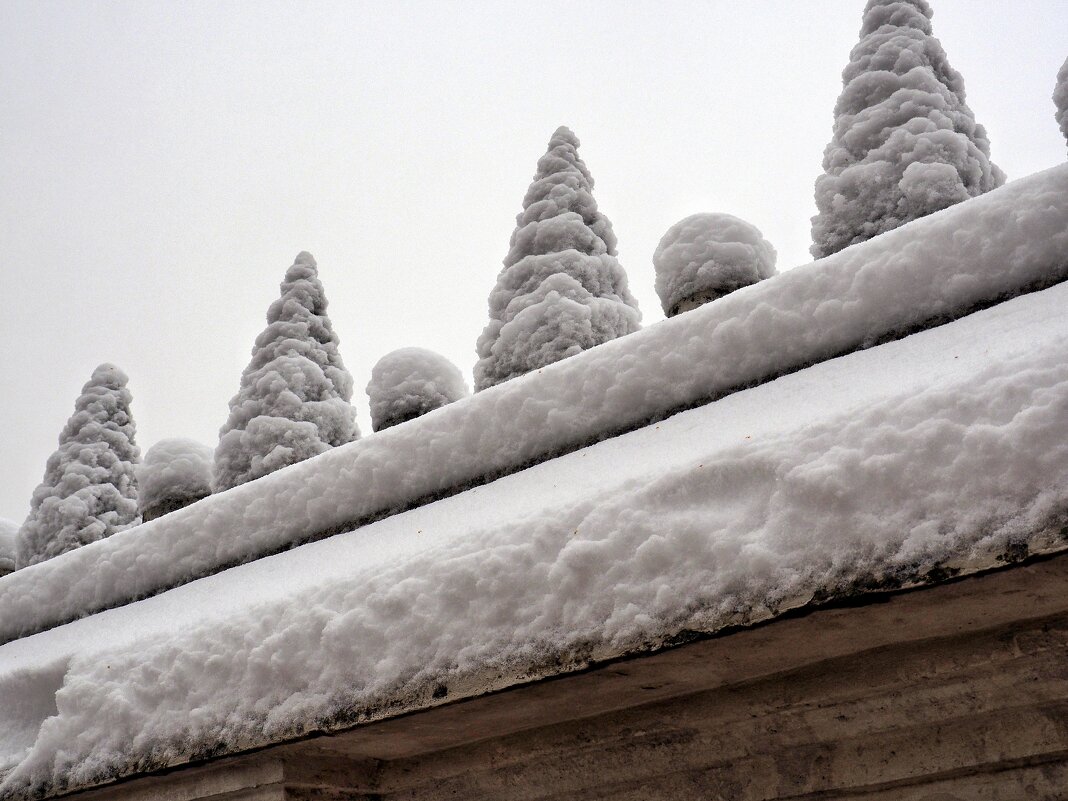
(707, 256)
(293, 402)
(409, 382)
(89, 490)
(947, 449)
(905, 143)
(562, 289)
(175, 473)
(942, 266)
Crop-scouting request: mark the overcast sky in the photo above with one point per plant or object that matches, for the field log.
(162, 163)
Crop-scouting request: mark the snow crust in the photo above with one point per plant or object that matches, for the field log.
(945, 450)
(89, 489)
(931, 270)
(175, 473)
(409, 382)
(562, 289)
(905, 143)
(706, 256)
(1060, 98)
(293, 402)
(8, 530)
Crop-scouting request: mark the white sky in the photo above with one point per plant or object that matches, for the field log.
(162, 164)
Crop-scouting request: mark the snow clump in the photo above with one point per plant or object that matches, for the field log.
(175, 473)
(905, 142)
(410, 382)
(562, 290)
(1060, 98)
(293, 402)
(707, 256)
(89, 489)
(8, 530)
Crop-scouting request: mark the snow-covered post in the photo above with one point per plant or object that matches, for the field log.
(175, 473)
(409, 382)
(1060, 98)
(706, 256)
(89, 489)
(562, 290)
(8, 530)
(293, 402)
(905, 143)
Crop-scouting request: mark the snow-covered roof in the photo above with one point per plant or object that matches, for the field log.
(940, 453)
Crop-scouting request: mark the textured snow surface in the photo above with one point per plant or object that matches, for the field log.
(175, 473)
(706, 256)
(562, 290)
(929, 270)
(1060, 98)
(89, 489)
(293, 402)
(8, 530)
(409, 382)
(905, 144)
(947, 449)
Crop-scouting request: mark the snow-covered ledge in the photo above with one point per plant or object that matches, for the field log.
(1001, 244)
(942, 453)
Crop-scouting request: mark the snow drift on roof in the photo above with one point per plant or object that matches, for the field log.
(947, 451)
(931, 270)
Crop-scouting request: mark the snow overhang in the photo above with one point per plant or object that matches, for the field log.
(942, 453)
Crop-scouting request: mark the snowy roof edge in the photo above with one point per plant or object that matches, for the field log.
(936, 269)
(904, 485)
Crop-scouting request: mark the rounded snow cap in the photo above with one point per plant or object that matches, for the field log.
(108, 375)
(175, 473)
(8, 530)
(706, 256)
(1060, 98)
(409, 382)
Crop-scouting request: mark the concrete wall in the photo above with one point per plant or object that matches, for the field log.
(955, 692)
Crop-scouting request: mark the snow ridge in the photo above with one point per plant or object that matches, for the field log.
(934, 269)
(946, 451)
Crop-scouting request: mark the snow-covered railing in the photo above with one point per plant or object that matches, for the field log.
(1004, 243)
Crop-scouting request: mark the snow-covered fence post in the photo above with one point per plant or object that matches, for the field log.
(89, 490)
(293, 402)
(409, 382)
(562, 290)
(707, 256)
(905, 143)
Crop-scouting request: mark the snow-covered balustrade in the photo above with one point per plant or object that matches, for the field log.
(942, 453)
(1004, 243)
